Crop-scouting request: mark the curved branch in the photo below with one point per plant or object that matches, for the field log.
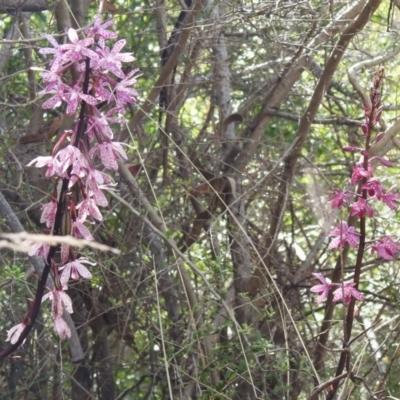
(308, 117)
(293, 72)
(187, 27)
(354, 69)
(387, 142)
(317, 121)
(11, 6)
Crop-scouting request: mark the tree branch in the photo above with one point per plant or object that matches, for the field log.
(11, 6)
(168, 68)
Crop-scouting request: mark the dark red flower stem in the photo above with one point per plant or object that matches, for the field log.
(34, 309)
(81, 120)
(372, 120)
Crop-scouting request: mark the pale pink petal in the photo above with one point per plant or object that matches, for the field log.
(39, 249)
(346, 291)
(15, 332)
(339, 198)
(75, 270)
(72, 35)
(88, 207)
(84, 272)
(321, 290)
(90, 53)
(51, 40)
(52, 102)
(41, 161)
(49, 213)
(81, 231)
(119, 149)
(126, 57)
(48, 295)
(86, 42)
(48, 161)
(65, 252)
(89, 99)
(62, 329)
(60, 301)
(66, 301)
(65, 275)
(100, 198)
(334, 244)
(118, 46)
(108, 156)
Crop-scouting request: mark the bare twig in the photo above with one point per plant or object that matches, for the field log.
(167, 69)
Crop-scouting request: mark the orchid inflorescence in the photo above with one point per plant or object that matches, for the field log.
(73, 161)
(368, 190)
